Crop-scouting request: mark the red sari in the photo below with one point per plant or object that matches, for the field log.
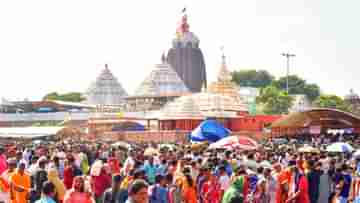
(211, 191)
(68, 177)
(114, 164)
(303, 189)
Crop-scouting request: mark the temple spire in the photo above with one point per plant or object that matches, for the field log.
(183, 26)
(224, 74)
(223, 57)
(163, 58)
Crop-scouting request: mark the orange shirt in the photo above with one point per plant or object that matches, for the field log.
(283, 179)
(190, 195)
(20, 181)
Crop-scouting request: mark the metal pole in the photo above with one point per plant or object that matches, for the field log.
(287, 73)
(287, 55)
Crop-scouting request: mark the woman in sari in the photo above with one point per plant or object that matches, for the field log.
(235, 192)
(60, 189)
(189, 189)
(211, 190)
(78, 193)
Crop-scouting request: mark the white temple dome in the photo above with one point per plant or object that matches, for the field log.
(106, 90)
(203, 105)
(162, 81)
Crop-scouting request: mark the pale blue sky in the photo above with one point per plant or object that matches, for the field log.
(48, 45)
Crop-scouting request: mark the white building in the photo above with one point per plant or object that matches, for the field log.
(301, 103)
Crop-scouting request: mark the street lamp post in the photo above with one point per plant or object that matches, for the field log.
(288, 56)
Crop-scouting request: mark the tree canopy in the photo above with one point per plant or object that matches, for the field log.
(69, 97)
(332, 101)
(298, 85)
(274, 100)
(252, 78)
(262, 79)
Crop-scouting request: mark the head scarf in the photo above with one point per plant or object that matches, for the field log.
(59, 185)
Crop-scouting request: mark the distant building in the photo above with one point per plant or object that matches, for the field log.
(354, 100)
(249, 94)
(301, 103)
(106, 90)
(9, 107)
(186, 57)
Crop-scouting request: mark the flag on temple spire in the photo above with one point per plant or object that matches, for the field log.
(183, 10)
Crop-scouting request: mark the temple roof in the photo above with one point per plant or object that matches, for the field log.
(106, 90)
(202, 105)
(162, 81)
(224, 84)
(182, 108)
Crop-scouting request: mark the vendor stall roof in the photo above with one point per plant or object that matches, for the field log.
(29, 132)
(331, 118)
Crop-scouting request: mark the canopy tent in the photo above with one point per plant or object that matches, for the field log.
(29, 132)
(315, 120)
(209, 130)
(341, 147)
(235, 142)
(128, 126)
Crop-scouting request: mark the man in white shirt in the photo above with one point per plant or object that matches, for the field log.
(129, 164)
(224, 180)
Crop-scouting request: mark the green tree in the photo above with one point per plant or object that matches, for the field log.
(252, 78)
(312, 91)
(298, 85)
(70, 97)
(51, 96)
(332, 101)
(274, 100)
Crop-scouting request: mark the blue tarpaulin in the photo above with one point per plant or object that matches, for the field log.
(128, 126)
(209, 130)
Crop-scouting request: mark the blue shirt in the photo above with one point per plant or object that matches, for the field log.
(45, 199)
(228, 170)
(347, 184)
(150, 171)
(161, 169)
(158, 194)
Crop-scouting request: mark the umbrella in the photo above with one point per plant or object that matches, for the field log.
(309, 149)
(209, 130)
(168, 146)
(121, 144)
(235, 142)
(151, 151)
(339, 147)
(357, 153)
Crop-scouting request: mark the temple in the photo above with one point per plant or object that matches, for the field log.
(162, 85)
(188, 111)
(106, 90)
(186, 57)
(224, 84)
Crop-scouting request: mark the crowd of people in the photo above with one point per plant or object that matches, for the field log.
(100, 173)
